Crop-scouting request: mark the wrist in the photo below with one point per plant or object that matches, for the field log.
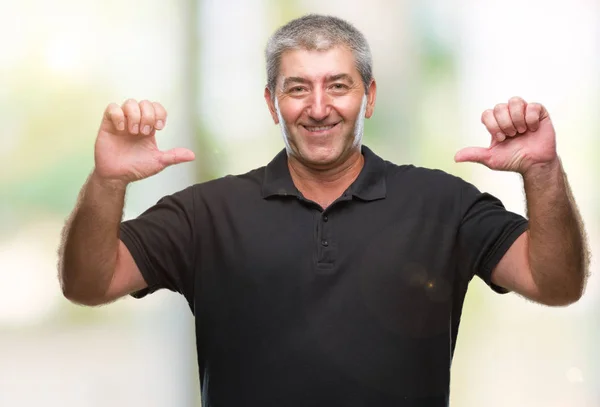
(107, 184)
(543, 171)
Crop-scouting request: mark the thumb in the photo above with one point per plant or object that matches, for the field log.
(473, 154)
(176, 156)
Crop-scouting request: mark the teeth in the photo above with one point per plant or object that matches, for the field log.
(320, 128)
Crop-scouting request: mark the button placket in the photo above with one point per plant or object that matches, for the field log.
(325, 258)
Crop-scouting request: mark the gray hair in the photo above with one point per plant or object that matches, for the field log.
(320, 33)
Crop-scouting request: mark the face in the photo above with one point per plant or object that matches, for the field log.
(320, 105)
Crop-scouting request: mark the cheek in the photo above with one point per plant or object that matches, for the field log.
(348, 108)
(291, 111)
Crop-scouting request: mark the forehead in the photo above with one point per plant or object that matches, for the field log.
(317, 64)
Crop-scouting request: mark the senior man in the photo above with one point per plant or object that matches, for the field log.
(329, 276)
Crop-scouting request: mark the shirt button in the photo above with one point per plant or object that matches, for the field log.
(325, 218)
(325, 243)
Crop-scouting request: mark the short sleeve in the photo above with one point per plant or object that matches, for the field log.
(162, 242)
(486, 232)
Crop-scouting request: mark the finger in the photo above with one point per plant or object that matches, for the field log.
(534, 113)
(489, 120)
(160, 113)
(473, 154)
(132, 114)
(504, 121)
(147, 120)
(176, 156)
(516, 109)
(114, 114)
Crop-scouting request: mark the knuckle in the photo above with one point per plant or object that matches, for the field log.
(499, 107)
(515, 100)
(158, 107)
(112, 110)
(147, 112)
(131, 112)
(130, 102)
(131, 109)
(486, 115)
(533, 111)
(536, 107)
(160, 111)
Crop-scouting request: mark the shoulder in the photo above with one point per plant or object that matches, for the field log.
(229, 186)
(422, 180)
(434, 189)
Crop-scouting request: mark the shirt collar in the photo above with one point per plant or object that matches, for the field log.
(370, 184)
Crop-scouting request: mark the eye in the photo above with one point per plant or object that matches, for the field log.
(338, 86)
(297, 89)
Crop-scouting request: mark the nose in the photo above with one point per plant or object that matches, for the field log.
(320, 106)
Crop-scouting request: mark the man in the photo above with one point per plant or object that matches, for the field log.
(329, 276)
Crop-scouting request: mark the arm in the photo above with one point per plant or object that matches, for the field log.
(549, 263)
(95, 267)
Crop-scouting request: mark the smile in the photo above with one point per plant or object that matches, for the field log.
(320, 129)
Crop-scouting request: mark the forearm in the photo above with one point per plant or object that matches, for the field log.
(558, 254)
(90, 241)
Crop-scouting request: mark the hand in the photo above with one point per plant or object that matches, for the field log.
(522, 137)
(126, 149)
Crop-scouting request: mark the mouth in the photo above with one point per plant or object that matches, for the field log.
(320, 130)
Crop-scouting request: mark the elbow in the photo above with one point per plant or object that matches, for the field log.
(562, 301)
(575, 295)
(73, 297)
(563, 298)
(84, 300)
(561, 287)
(78, 295)
(575, 291)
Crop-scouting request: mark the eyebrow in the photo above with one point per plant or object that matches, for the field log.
(340, 76)
(293, 79)
(296, 79)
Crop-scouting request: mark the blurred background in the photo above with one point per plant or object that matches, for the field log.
(438, 63)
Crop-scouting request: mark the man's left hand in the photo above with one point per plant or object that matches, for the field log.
(522, 137)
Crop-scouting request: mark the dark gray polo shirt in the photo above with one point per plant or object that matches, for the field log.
(355, 305)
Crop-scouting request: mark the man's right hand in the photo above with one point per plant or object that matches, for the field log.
(126, 149)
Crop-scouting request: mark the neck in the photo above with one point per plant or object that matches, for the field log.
(324, 186)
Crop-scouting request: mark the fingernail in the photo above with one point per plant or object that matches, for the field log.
(159, 124)
(135, 129)
(121, 126)
(521, 130)
(146, 129)
(500, 136)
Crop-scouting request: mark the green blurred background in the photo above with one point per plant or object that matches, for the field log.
(438, 63)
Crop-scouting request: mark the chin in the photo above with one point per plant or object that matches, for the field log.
(321, 156)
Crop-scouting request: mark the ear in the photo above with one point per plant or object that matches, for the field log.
(371, 99)
(271, 105)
